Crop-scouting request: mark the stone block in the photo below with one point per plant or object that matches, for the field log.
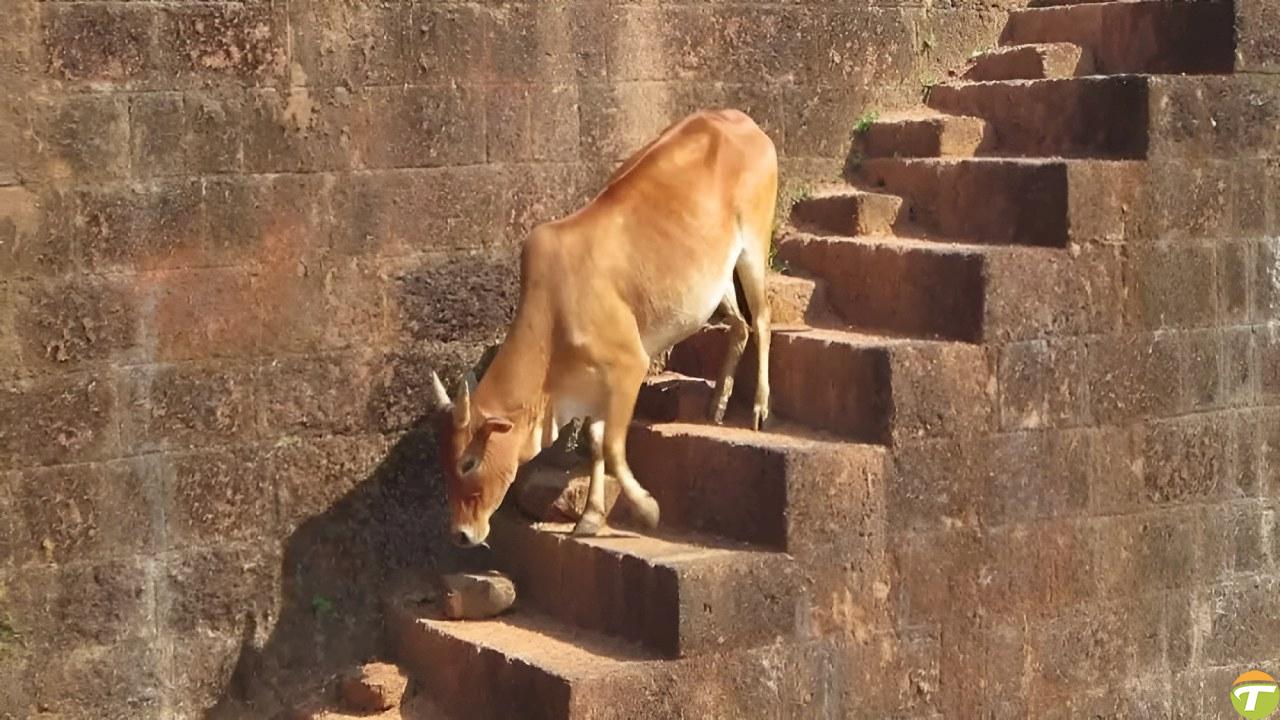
(58, 610)
(1074, 653)
(1034, 295)
(1257, 48)
(407, 213)
(35, 237)
(137, 227)
(1243, 615)
(1267, 281)
(937, 484)
(156, 132)
(85, 512)
(327, 394)
(112, 43)
(470, 596)
(1132, 376)
(296, 131)
(276, 222)
(425, 127)
(936, 573)
(446, 41)
(218, 497)
(59, 419)
(1268, 350)
(1036, 569)
(212, 141)
(1174, 286)
(209, 43)
(1042, 384)
(941, 390)
(82, 138)
(121, 681)
(464, 297)
(204, 314)
(532, 122)
(1236, 265)
(189, 406)
(1188, 460)
(1152, 551)
(354, 45)
(373, 688)
(62, 324)
(313, 475)
(212, 591)
(1037, 476)
(554, 495)
(401, 391)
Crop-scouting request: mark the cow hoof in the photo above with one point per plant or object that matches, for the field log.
(589, 525)
(646, 511)
(761, 418)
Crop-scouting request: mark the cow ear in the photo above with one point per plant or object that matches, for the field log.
(470, 381)
(462, 406)
(497, 425)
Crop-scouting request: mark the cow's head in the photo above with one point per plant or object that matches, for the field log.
(480, 456)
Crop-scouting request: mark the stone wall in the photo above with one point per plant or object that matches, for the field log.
(234, 239)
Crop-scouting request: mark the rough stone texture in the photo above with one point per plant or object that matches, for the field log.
(236, 237)
(373, 688)
(549, 494)
(469, 596)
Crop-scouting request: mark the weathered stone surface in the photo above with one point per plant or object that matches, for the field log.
(549, 494)
(373, 688)
(236, 238)
(477, 597)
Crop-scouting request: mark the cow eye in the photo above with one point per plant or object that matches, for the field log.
(467, 465)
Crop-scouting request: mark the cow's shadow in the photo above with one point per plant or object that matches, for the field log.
(337, 569)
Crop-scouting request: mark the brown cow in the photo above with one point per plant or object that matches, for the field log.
(640, 268)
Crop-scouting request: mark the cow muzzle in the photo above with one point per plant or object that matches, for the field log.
(465, 537)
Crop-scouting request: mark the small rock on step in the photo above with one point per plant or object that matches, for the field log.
(552, 494)
(477, 596)
(374, 687)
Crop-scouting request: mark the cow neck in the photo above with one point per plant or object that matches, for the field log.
(514, 385)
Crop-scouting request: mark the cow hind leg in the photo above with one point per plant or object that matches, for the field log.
(752, 274)
(738, 332)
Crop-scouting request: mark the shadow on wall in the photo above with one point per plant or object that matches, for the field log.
(336, 569)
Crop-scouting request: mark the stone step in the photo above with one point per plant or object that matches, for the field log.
(897, 286)
(677, 595)
(530, 666)
(1102, 117)
(673, 397)
(847, 211)
(997, 201)
(843, 384)
(770, 489)
(1030, 62)
(1147, 37)
(921, 134)
(796, 300)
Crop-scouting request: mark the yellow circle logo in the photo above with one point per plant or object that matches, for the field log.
(1255, 695)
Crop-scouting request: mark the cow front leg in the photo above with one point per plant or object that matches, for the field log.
(593, 514)
(622, 404)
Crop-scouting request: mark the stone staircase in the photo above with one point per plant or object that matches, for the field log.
(976, 219)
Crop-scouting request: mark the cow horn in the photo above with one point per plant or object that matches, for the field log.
(439, 395)
(462, 406)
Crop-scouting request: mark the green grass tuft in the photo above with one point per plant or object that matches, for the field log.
(865, 121)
